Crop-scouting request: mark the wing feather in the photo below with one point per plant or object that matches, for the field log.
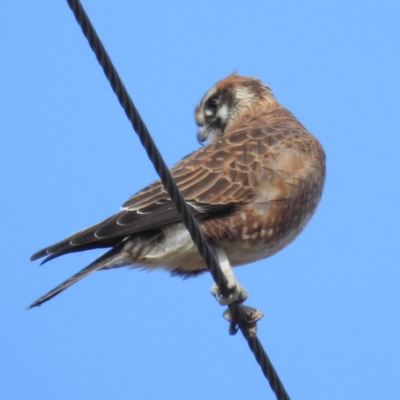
(213, 180)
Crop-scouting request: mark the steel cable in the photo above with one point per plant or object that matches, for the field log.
(238, 311)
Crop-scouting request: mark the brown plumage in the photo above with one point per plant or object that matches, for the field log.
(253, 188)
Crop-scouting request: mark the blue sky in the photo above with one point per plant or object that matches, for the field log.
(69, 158)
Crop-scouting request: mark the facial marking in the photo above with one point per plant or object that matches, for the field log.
(225, 102)
(223, 112)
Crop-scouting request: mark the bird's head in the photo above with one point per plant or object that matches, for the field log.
(227, 100)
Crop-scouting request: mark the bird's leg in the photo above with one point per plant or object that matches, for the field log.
(236, 292)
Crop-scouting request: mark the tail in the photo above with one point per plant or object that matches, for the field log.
(113, 258)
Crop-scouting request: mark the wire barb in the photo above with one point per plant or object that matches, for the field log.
(239, 316)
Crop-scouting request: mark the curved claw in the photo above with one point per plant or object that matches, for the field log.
(252, 314)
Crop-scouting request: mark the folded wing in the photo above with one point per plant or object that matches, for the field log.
(213, 180)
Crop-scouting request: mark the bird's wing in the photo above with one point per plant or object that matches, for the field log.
(213, 180)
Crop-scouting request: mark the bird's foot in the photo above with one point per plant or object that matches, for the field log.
(237, 293)
(252, 316)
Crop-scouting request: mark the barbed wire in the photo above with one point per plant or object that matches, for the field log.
(240, 316)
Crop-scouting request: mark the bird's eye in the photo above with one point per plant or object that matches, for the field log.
(212, 104)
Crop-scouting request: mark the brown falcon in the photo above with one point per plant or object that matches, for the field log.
(252, 188)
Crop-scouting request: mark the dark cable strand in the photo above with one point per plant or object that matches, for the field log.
(261, 356)
(149, 145)
(169, 183)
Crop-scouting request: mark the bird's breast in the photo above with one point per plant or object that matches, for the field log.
(285, 197)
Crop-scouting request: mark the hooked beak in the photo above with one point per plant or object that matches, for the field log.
(202, 135)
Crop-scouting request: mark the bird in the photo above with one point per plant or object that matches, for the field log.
(252, 187)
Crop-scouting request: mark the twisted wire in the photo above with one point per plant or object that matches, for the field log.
(237, 310)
